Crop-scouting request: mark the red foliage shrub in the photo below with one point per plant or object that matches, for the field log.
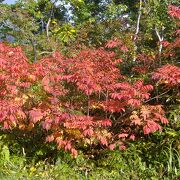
(93, 70)
(41, 94)
(174, 11)
(168, 75)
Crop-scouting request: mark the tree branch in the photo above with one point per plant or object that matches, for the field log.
(156, 96)
(160, 41)
(46, 52)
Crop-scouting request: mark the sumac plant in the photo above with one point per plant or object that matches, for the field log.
(74, 102)
(78, 102)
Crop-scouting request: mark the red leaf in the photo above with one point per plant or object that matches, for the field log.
(74, 152)
(123, 135)
(132, 137)
(50, 138)
(112, 147)
(88, 132)
(112, 43)
(35, 115)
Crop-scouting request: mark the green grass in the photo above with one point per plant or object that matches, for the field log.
(131, 164)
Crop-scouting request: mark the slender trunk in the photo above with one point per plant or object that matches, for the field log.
(48, 23)
(33, 43)
(47, 28)
(137, 29)
(23, 151)
(160, 43)
(139, 17)
(42, 25)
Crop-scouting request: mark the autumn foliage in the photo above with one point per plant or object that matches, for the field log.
(82, 100)
(42, 94)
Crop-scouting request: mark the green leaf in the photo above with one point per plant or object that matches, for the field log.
(5, 153)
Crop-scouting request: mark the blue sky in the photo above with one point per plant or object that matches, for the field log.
(9, 1)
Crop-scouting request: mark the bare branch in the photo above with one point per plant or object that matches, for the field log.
(46, 52)
(160, 42)
(156, 96)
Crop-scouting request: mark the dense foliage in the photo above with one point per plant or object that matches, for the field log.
(43, 96)
(97, 87)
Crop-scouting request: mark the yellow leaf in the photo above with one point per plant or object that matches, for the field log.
(73, 30)
(32, 169)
